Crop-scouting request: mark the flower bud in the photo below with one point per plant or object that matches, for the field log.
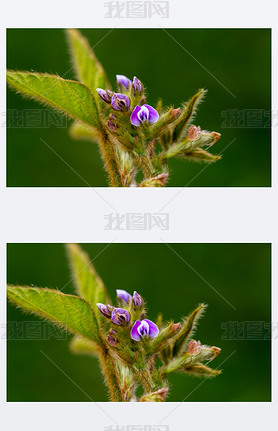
(111, 339)
(194, 347)
(137, 85)
(201, 138)
(105, 95)
(137, 300)
(105, 310)
(158, 181)
(216, 136)
(123, 81)
(176, 327)
(123, 295)
(120, 316)
(193, 133)
(120, 102)
(176, 113)
(111, 126)
(216, 351)
(157, 396)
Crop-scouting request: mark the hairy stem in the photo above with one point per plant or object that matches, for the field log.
(146, 165)
(110, 159)
(146, 380)
(110, 373)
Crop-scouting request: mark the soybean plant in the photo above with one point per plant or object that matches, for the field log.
(136, 140)
(136, 354)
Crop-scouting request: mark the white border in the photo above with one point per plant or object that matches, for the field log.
(196, 215)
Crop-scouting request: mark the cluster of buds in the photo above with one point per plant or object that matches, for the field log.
(124, 101)
(127, 317)
(138, 343)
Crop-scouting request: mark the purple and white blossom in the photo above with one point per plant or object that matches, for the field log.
(120, 316)
(120, 102)
(143, 113)
(123, 295)
(122, 80)
(144, 328)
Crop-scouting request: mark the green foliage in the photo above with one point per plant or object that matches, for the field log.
(88, 283)
(80, 130)
(67, 311)
(187, 330)
(127, 150)
(187, 115)
(83, 346)
(88, 69)
(69, 97)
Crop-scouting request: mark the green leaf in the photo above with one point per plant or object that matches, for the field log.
(187, 330)
(69, 97)
(68, 311)
(88, 284)
(83, 346)
(187, 115)
(199, 155)
(80, 130)
(88, 69)
(201, 370)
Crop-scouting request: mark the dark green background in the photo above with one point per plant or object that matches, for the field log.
(239, 272)
(238, 58)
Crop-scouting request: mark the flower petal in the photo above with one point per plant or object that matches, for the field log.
(153, 114)
(144, 329)
(134, 116)
(134, 331)
(153, 329)
(143, 114)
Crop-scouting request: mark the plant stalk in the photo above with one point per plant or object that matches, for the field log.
(111, 376)
(110, 159)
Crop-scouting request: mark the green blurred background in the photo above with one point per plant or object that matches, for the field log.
(239, 58)
(239, 272)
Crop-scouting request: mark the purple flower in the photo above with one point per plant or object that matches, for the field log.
(105, 310)
(120, 316)
(122, 80)
(137, 85)
(145, 328)
(143, 113)
(123, 295)
(137, 300)
(120, 102)
(105, 95)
